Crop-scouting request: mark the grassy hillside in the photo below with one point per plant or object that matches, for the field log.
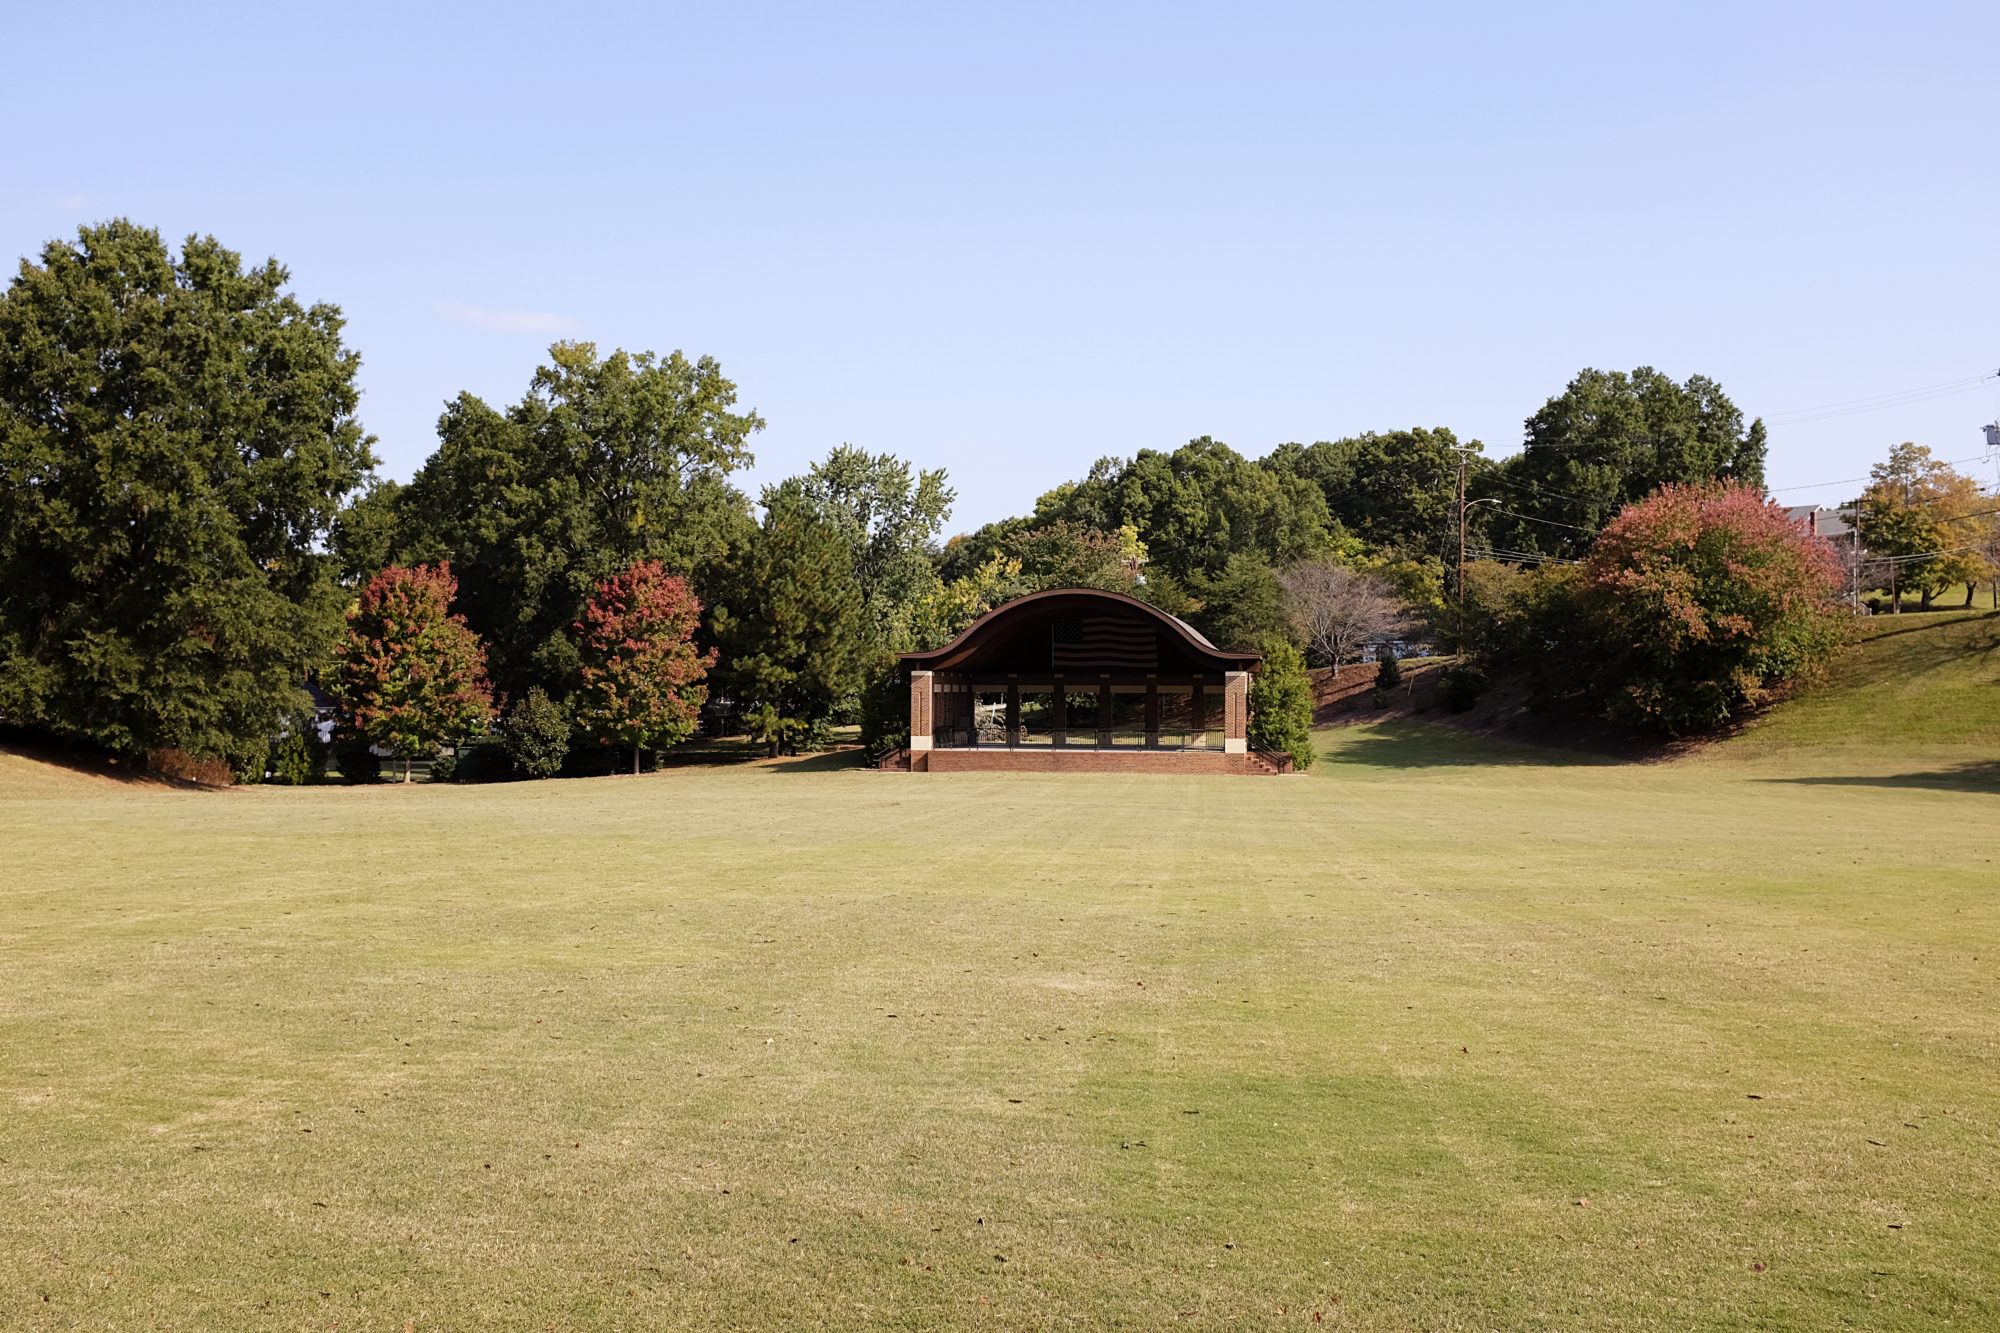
(1449, 1034)
(1911, 682)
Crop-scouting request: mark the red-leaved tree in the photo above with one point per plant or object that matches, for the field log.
(1699, 599)
(641, 678)
(410, 675)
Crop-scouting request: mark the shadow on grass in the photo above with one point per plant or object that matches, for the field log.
(1412, 745)
(824, 762)
(1981, 775)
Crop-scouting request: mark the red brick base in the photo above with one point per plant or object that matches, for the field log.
(1079, 761)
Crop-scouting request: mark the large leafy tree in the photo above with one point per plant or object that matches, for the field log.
(1394, 490)
(1698, 601)
(176, 437)
(607, 460)
(410, 675)
(1197, 507)
(1923, 519)
(641, 674)
(1609, 440)
(889, 517)
(791, 628)
(1063, 554)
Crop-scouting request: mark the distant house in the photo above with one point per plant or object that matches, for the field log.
(1836, 525)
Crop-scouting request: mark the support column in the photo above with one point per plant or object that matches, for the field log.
(920, 712)
(1197, 718)
(1152, 717)
(1235, 712)
(1013, 714)
(1103, 714)
(1059, 713)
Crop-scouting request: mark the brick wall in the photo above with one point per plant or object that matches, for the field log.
(1082, 761)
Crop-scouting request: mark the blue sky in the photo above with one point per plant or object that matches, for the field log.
(1007, 240)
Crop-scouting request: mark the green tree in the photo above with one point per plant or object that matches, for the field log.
(176, 437)
(536, 734)
(641, 674)
(1388, 670)
(1607, 441)
(889, 518)
(410, 675)
(1281, 703)
(1063, 554)
(1242, 606)
(792, 632)
(607, 460)
(1395, 491)
(1195, 508)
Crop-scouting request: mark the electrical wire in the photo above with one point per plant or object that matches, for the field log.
(1844, 481)
(1800, 416)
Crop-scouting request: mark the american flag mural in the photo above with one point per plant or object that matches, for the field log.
(1100, 642)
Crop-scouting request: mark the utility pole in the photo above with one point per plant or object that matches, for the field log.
(1464, 452)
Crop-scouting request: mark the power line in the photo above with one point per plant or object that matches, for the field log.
(1551, 522)
(1800, 416)
(1844, 481)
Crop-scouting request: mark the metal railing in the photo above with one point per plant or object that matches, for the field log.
(1078, 738)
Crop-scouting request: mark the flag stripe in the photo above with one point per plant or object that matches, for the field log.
(1104, 641)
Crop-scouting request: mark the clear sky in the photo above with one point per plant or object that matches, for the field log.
(1008, 239)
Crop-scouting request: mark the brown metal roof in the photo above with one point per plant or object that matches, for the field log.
(998, 638)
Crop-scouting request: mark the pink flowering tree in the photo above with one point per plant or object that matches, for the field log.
(1699, 600)
(641, 681)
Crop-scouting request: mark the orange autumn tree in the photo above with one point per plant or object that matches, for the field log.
(410, 675)
(641, 677)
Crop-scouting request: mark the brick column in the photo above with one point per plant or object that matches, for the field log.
(1103, 714)
(1235, 712)
(920, 711)
(1152, 717)
(1013, 714)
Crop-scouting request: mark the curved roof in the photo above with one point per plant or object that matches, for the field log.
(1085, 631)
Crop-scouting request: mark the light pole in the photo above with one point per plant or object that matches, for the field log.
(1463, 510)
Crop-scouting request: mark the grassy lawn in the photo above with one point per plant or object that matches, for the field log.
(1447, 1035)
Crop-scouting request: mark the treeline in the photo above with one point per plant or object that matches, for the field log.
(191, 527)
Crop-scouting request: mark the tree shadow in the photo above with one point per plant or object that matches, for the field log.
(1977, 775)
(827, 761)
(1415, 745)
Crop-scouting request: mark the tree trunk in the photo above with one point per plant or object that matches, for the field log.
(1895, 594)
(635, 761)
(1924, 599)
(1968, 596)
(774, 747)
(406, 768)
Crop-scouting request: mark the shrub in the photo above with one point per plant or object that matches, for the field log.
(184, 767)
(1696, 601)
(486, 760)
(1388, 671)
(1281, 703)
(536, 735)
(1460, 685)
(444, 765)
(355, 758)
(299, 757)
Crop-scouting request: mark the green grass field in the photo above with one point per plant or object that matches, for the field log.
(1447, 1035)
